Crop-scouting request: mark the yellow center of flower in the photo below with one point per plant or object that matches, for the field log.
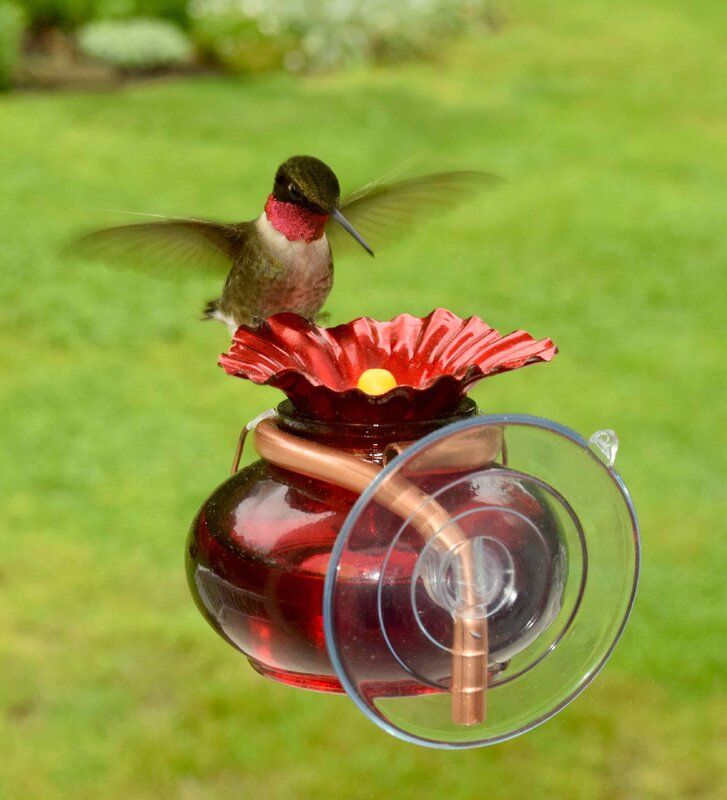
(376, 381)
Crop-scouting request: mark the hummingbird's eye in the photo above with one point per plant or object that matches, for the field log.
(294, 192)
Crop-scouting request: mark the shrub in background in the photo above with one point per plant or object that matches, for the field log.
(172, 10)
(135, 44)
(69, 14)
(322, 34)
(64, 13)
(230, 35)
(12, 25)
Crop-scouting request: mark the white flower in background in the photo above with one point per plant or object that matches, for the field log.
(137, 43)
(321, 34)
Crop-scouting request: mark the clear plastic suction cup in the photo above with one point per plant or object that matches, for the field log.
(481, 581)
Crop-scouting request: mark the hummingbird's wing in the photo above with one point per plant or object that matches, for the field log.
(172, 242)
(382, 210)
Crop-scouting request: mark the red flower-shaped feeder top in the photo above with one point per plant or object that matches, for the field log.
(434, 360)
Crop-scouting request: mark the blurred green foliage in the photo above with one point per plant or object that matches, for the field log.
(605, 118)
(12, 24)
(72, 13)
(59, 12)
(236, 41)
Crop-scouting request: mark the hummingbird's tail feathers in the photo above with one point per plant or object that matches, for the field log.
(211, 309)
(381, 211)
(179, 244)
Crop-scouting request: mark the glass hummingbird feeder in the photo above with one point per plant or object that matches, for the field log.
(460, 576)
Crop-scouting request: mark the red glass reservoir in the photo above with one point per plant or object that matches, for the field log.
(259, 549)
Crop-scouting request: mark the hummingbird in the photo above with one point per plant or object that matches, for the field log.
(283, 259)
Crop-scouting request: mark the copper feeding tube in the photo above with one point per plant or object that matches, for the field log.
(469, 645)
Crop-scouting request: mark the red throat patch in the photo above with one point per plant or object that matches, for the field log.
(294, 222)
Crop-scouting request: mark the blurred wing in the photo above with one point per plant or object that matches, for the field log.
(173, 243)
(381, 211)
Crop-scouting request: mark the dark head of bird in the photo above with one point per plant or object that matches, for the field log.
(305, 195)
(307, 182)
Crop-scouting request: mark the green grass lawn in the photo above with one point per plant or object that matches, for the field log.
(607, 120)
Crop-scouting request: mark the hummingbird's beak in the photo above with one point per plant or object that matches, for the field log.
(346, 225)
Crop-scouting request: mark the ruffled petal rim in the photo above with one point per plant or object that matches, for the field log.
(435, 360)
